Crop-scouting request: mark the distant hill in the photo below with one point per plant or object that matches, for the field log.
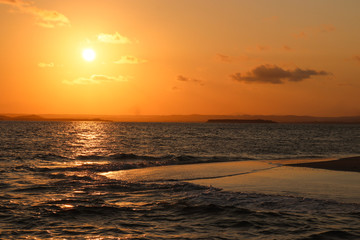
(28, 118)
(41, 118)
(4, 118)
(239, 121)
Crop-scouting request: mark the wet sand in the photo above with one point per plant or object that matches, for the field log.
(351, 164)
(266, 177)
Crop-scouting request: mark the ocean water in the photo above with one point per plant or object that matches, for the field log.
(53, 185)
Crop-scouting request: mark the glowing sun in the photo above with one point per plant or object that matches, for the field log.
(88, 54)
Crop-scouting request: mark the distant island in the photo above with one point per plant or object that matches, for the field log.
(39, 118)
(196, 118)
(239, 121)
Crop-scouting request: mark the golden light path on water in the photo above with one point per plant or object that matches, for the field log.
(86, 141)
(89, 137)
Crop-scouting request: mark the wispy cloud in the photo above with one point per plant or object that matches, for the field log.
(12, 2)
(300, 35)
(262, 48)
(129, 60)
(287, 48)
(186, 79)
(271, 19)
(231, 59)
(357, 58)
(224, 58)
(348, 85)
(276, 75)
(324, 28)
(115, 38)
(44, 18)
(46, 65)
(96, 79)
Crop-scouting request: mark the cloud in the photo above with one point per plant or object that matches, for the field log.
(186, 79)
(231, 59)
(182, 78)
(96, 79)
(357, 58)
(46, 65)
(113, 38)
(224, 58)
(44, 18)
(324, 28)
(276, 75)
(8, 1)
(300, 35)
(287, 48)
(348, 85)
(262, 48)
(129, 60)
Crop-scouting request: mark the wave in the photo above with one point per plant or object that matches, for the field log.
(95, 163)
(132, 157)
(101, 163)
(93, 206)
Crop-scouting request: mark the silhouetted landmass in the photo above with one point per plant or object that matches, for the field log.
(180, 118)
(28, 118)
(40, 118)
(4, 118)
(205, 118)
(239, 121)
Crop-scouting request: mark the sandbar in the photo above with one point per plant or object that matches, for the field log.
(351, 164)
(278, 177)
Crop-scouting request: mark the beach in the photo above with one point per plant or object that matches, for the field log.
(265, 177)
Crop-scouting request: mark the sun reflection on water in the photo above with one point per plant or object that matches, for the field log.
(67, 206)
(89, 138)
(80, 163)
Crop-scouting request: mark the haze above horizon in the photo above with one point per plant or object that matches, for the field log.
(160, 57)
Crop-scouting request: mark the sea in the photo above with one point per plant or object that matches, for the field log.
(52, 184)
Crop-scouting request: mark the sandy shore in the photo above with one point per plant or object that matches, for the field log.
(351, 164)
(279, 177)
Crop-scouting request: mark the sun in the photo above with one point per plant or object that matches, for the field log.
(89, 54)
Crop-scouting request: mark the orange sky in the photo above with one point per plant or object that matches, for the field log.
(180, 57)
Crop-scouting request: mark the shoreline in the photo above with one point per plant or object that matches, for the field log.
(349, 164)
(263, 177)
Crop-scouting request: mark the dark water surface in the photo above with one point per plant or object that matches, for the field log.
(51, 188)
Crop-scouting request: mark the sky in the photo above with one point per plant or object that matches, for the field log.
(164, 57)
